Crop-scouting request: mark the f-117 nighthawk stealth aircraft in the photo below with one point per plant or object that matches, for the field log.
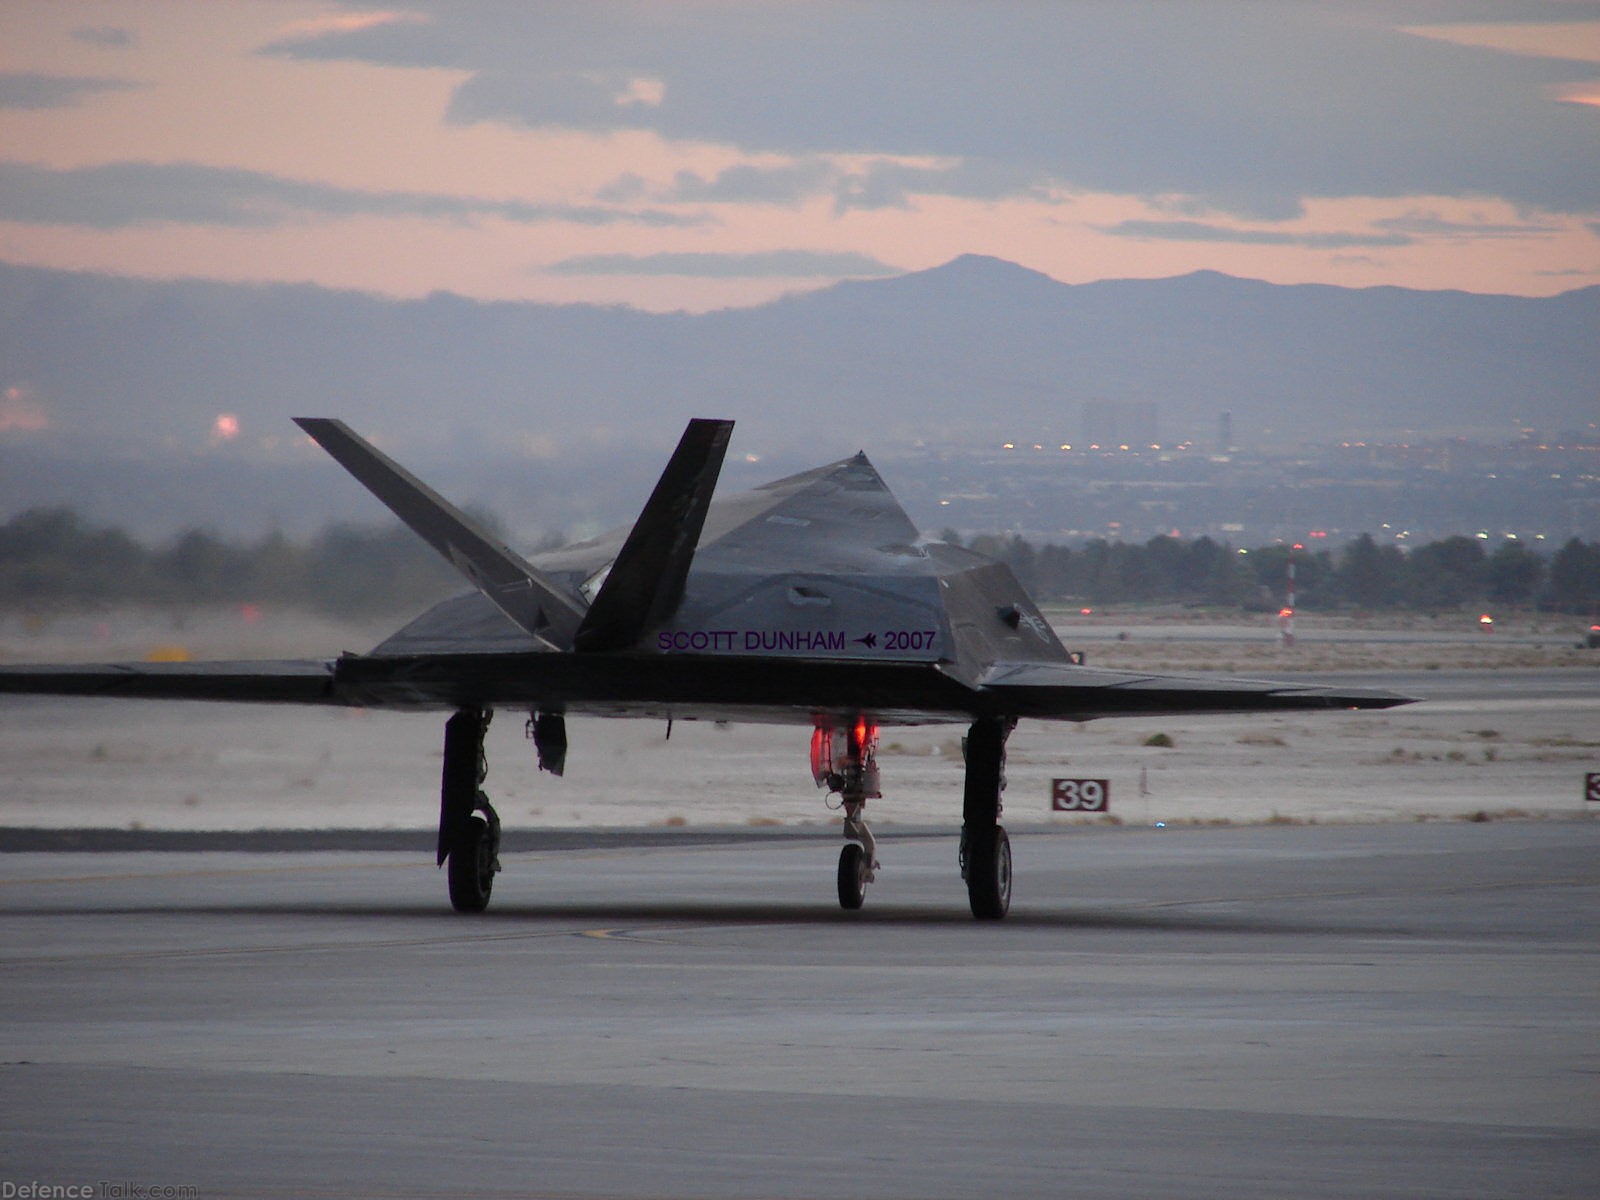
(811, 601)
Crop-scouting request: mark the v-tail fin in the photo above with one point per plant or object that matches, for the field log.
(538, 605)
(646, 580)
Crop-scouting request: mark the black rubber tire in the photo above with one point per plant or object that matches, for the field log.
(989, 873)
(471, 868)
(852, 877)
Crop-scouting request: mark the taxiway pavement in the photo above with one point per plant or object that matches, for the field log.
(1261, 1011)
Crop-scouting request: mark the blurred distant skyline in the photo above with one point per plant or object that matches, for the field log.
(695, 156)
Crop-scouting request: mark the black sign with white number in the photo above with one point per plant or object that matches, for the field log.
(1080, 795)
(1591, 786)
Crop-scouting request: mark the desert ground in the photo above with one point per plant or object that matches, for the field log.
(73, 763)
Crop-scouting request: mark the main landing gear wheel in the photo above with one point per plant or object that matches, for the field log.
(985, 849)
(852, 877)
(469, 830)
(472, 867)
(988, 863)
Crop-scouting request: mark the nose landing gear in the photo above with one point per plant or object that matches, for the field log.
(844, 760)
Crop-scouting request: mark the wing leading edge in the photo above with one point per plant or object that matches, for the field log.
(1065, 691)
(286, 681)
(630, 684)
(800, 690)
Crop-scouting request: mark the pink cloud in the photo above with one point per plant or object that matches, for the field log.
(20, 412)
(350, 23)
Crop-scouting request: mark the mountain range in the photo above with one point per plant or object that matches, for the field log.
(973, 353)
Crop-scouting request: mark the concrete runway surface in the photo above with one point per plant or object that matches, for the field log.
(1355, 1011)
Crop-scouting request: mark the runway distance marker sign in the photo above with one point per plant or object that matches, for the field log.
(1080, 795)
(1591, 786)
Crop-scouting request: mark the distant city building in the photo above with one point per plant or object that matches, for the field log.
(1225, 433)
(1100, 424)
(1402, 493)
(1113, 423)
(1139, 424)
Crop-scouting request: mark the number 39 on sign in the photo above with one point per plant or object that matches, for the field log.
(1080, 795)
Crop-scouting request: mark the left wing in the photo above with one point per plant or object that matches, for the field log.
(293, 681)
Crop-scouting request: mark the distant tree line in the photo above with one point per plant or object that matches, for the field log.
(52, 557)
(1449, 573)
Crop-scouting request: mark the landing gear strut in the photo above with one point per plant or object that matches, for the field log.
(469, 829)
(844, 760)
(985, 854)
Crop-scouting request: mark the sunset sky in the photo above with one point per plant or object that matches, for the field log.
(701, 155)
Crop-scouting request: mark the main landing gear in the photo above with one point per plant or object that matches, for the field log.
(469, 829)
(985, 854)
(844, 760)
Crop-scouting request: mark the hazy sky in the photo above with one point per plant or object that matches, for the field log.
(696, 155)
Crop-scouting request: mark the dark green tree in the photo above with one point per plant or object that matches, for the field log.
(1103, 573)
(1447, 574)
(1369, 576)
(990, 545)
(351, 568)
(1221, 571)
(1018, 554)
(201, 567)
(1165, 569)
(1514, 573)
(1313, 574)
(1575, 577)
(1054, 571)
(275, 570)
(37, 551)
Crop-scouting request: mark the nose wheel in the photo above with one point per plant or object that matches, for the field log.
(858, 861)
(852, 877)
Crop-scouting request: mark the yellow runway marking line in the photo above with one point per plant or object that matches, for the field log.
(622, 935)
